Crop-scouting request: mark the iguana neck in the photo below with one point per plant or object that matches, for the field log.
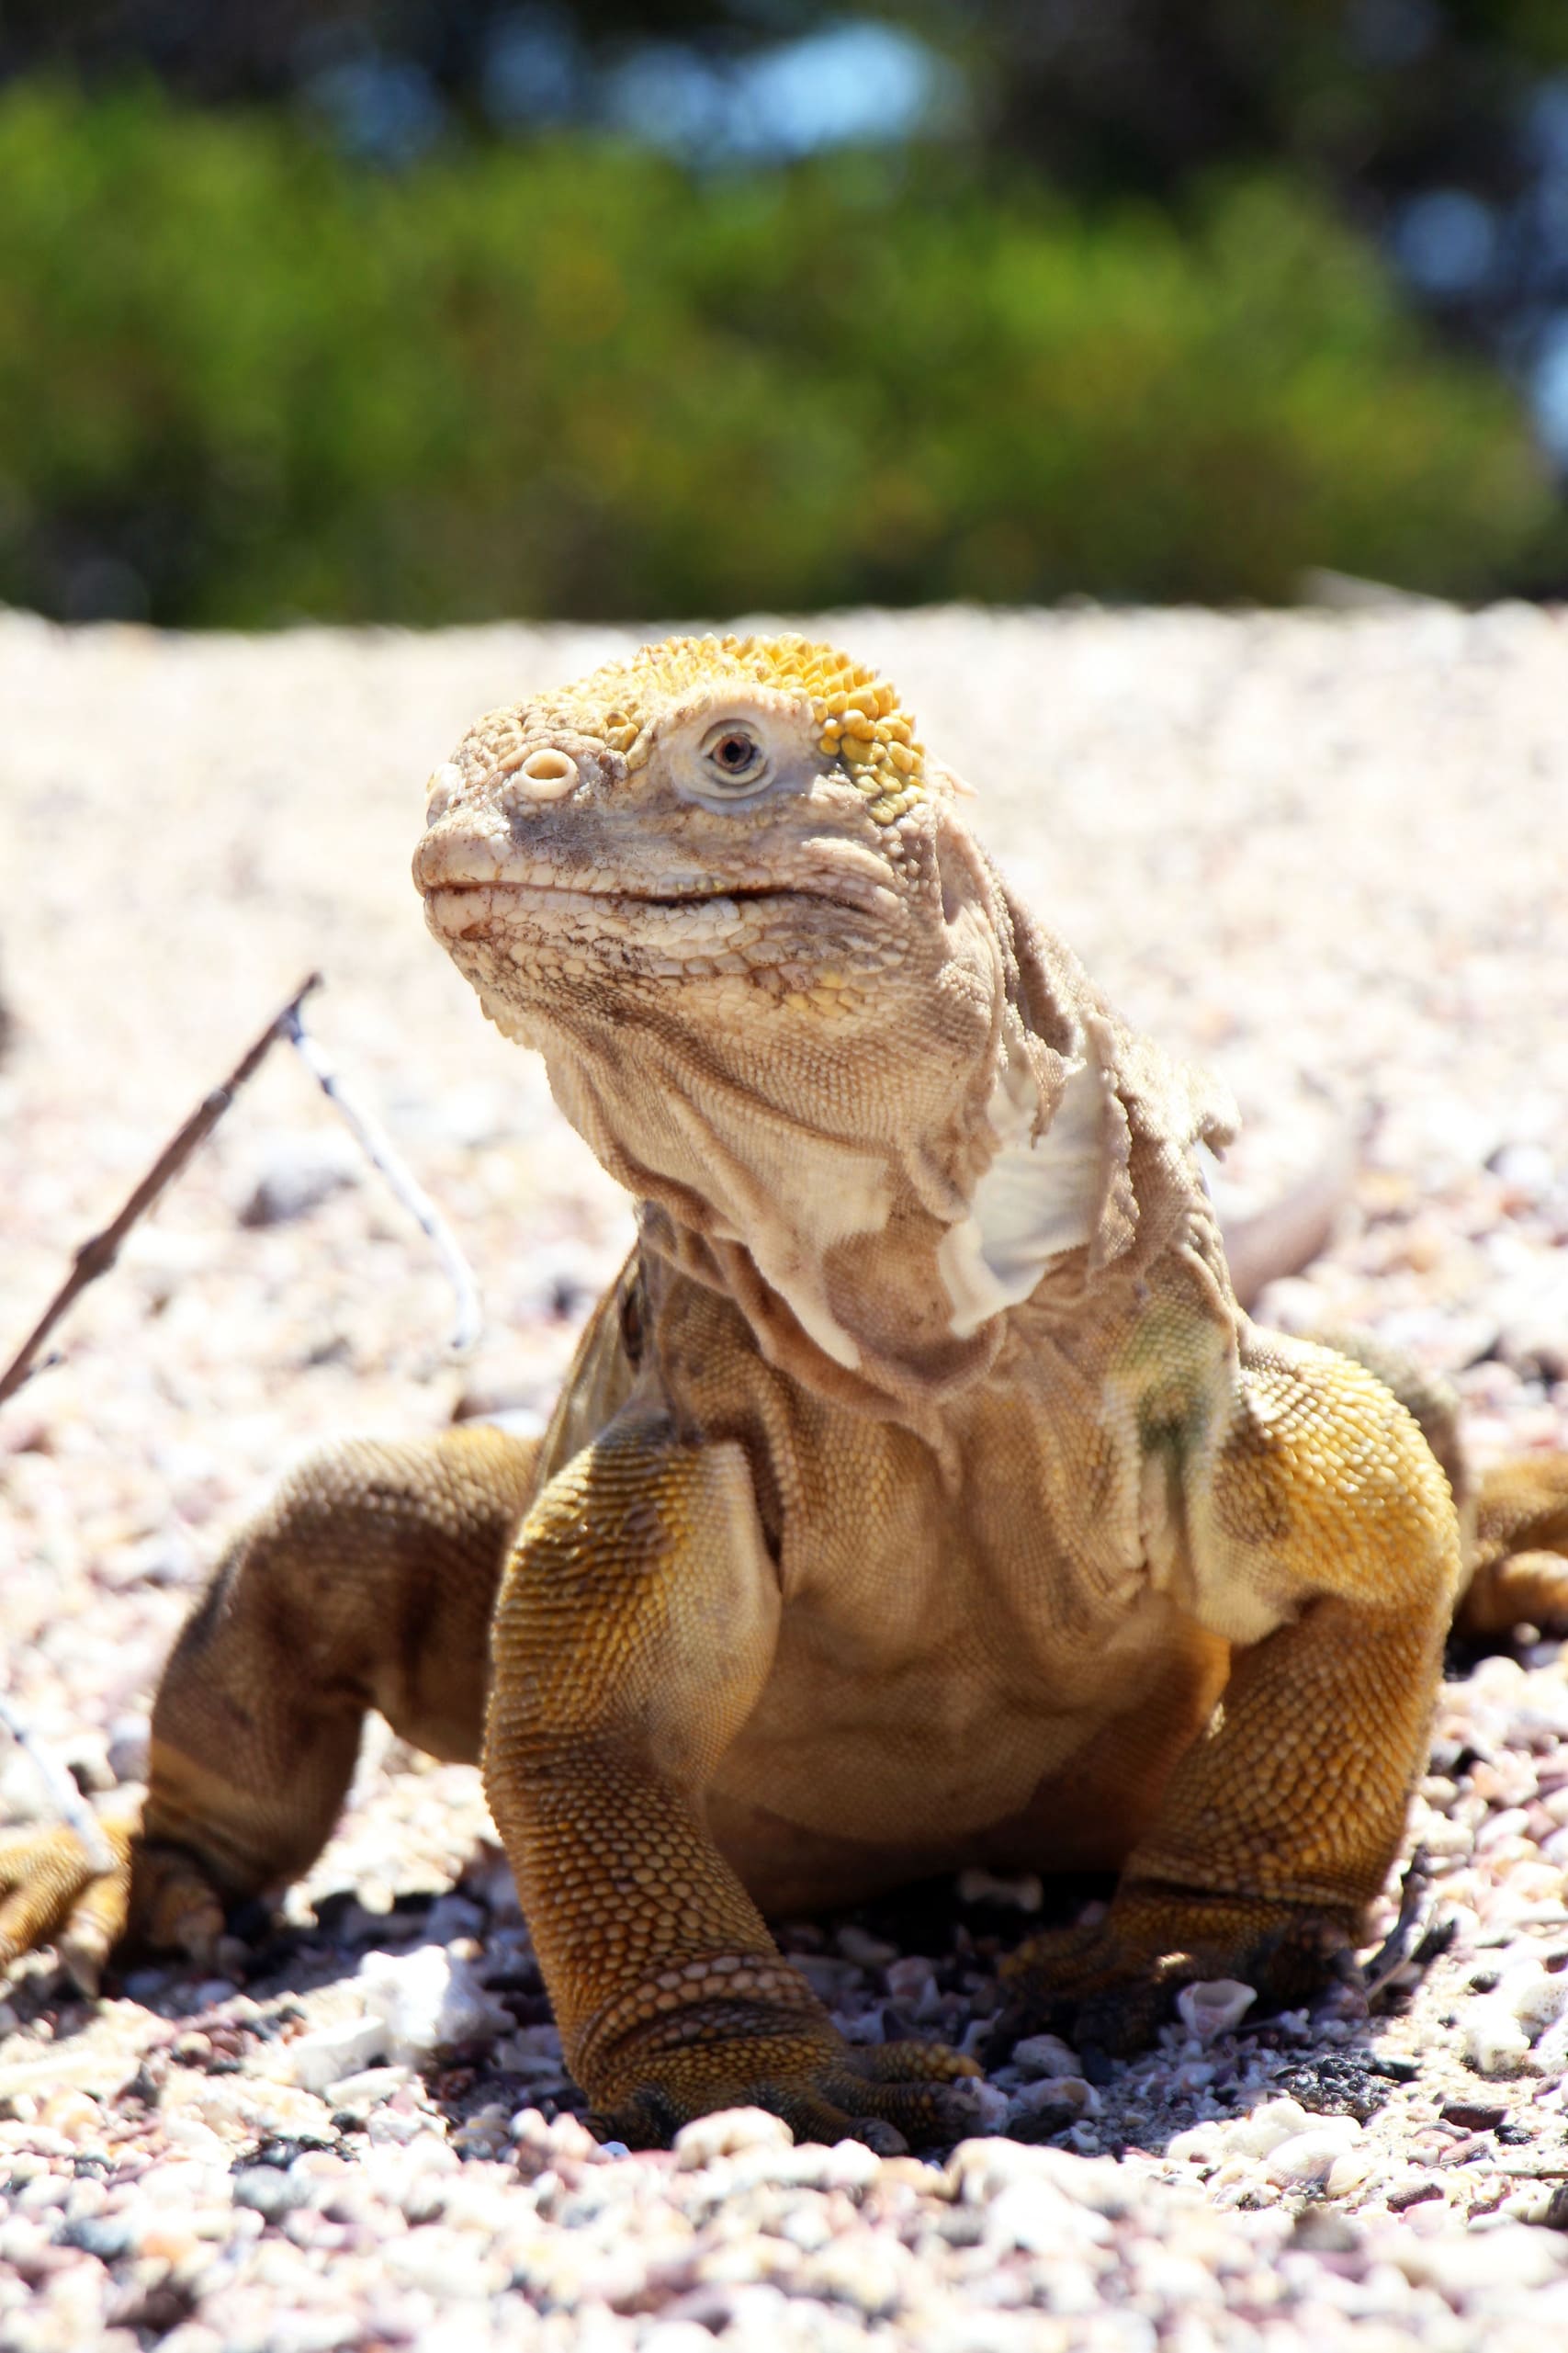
(885, 1280)
(878, 1258)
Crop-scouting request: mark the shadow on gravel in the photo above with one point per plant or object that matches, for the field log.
(1141, 2103)
(920, 1963)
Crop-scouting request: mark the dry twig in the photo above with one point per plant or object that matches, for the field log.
(64, 1795)
(376, 1146)
(97, 1255)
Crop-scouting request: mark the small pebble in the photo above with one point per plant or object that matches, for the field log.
(294, 1174)
(727, 2132)
(1068, 2094)
(1306, 2159)
(1024, 1891)
(1267, 2127)
(1476, 2115)
(866, 1952)
(270, 2192)
(1210, 2009)
(428, 2000)
(1494, 2042)
(1045, 2055)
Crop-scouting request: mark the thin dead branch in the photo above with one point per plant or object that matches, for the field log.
(97, 1255)
(378, 1147)
(64, 1794)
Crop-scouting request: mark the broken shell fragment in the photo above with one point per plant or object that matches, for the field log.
(1212, 2010)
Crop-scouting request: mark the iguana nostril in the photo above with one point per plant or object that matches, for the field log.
(546, 775)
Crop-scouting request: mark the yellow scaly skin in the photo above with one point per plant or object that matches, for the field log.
(920, 1494)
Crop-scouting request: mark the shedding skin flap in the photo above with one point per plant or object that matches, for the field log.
(1038, 1198)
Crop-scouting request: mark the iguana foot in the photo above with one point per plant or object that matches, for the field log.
(50, 1893)
(1109, 1986)
(1525, 1588)
(892, 2095)
(53, 1895)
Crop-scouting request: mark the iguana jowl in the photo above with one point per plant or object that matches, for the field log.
(920, 1494)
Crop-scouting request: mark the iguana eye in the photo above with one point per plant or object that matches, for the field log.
(734, 759)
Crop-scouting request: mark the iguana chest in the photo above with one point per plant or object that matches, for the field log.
(982, 1658)
(945, 1650)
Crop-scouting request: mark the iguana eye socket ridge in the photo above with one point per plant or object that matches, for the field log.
(735, 762)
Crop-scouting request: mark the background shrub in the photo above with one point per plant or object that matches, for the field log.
(243, 380)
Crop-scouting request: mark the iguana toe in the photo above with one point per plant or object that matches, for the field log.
(155, 1896)
(892, 2095)
(174, 1907)
(1109, 1986)
(52, 1894)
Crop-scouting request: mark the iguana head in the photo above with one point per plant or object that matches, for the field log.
(721, 888)
(737, 817)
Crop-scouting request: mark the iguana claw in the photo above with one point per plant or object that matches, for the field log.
(892, 2095)
(1109, 1987)
(51, 1893)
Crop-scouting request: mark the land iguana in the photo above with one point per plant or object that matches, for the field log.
(920, 1494)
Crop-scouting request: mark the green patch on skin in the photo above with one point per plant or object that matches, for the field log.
(1167, 1367)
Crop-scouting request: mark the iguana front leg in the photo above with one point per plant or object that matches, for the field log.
(1319, 1504)
(365, 1580)
(635, 1631)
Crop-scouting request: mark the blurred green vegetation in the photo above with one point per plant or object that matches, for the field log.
(243, 380)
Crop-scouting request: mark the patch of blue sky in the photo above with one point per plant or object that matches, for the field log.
(852, 84)
(382, 109)
(1546, 126)
(1548, 390)
(1445, 241)
(848, 82)
(533, 70)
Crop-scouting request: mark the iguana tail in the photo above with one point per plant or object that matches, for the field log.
(1519, 1557)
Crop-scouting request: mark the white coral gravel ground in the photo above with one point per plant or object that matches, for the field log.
(1327, 854)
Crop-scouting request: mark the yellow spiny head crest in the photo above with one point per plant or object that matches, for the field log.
(858, 714)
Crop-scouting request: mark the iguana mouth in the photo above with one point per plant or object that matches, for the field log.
(615, 890)
(611, 898)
